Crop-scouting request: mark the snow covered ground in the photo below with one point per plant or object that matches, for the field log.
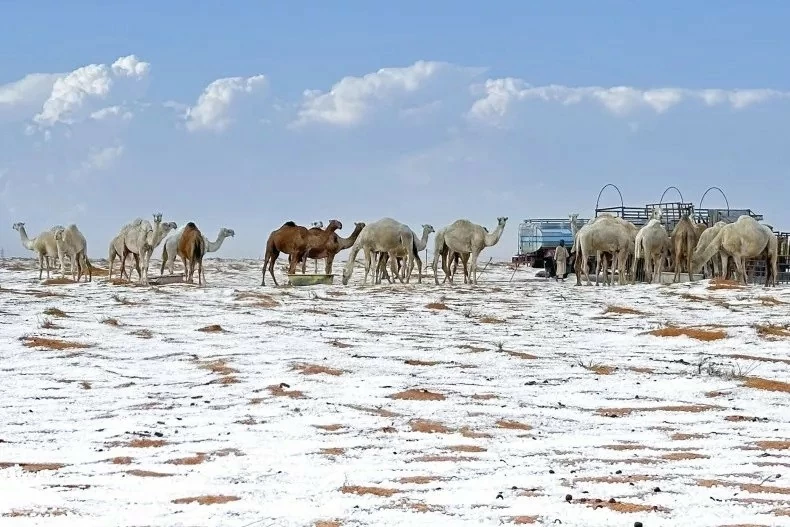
(513, 402)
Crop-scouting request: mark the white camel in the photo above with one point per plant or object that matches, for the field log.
(43, 245)
(420, 244)
(652, 243)
(463, 236)
(717, 266)
(141, 240)
(116, 250)
(383, 236)
(605, 233)
(742, 240)
(71, 242)
(170, 246)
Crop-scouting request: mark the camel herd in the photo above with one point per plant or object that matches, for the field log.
(691, 246)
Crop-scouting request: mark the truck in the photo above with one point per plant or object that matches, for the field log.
(539, 237)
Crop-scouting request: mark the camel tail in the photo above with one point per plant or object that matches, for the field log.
(638, 249)
(703, 255)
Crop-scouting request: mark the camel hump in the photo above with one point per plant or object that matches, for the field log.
(191, 225)
(289, 224)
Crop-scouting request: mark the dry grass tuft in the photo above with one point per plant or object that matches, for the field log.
(121, 461)
(512, 425)
(55, 312)
(471, 434)
(336, 343)
(327, 523)
(772, 332)
(484, 396)
(381, 412)
(694, 333)
(144, 442)
(616, 479)
(33, 467)
(521, 520)
(722, 283)
(197, 459)
(521, 355)
(363, 491)
(86, 385)
(621, 506)
(142, 333)
(686, 437)
(58, 281)
(207, 500)
(333, 451)
(148, 474)
(759, 359)
(111, 322)
(770, 301)
(433, 458)
(437, 306)
(37, 513)
(417, 395)
(213, 328)
(773, 445)
(599, 369)
(279, 390)
(491, 320)
(48, 324)
(416, 362)
(330, 428)
(428, 427)
(759, 383)
(621, 310)
(315, 369)
(53, 344)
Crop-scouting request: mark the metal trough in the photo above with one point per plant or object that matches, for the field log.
(669, 278)
(310, 279)
(166, 279)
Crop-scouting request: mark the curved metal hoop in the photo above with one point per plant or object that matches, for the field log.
(598, 201)
(661, 201)
(720, 192)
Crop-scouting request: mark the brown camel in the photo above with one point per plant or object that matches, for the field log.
(684, 241)
(295, 241)
(191, 249)
(334, 245)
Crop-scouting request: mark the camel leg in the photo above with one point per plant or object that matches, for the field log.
(271, 258)
(187, 272)
(328, 263)
(689, 255)
(473, 268)
(419, 270)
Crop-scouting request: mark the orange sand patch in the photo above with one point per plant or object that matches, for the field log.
(621, 506)
(33, 467)
(600, 369)
(363, 491)
(616, 479)
(683, 456)
(428, 427)
(53, 344)
(315, 369)
(219, 366)
(521, 355)
(471, 434)
(694, 333)
(641, 370)
(620, 310)
(512, 425)
(760, 359)
(419, 480)
(491, 320)
(721, 283)
(521, 520)
(58, 281)
(416, 362)
(773, 445)
(327, 523)
(197, 459)
(148, 474)
(146, 443)
(759, 383)
(206, 500)
(465, 448)
(772, 332)
(621, 412)
(330, 428)
(417, 395)
(279, 390)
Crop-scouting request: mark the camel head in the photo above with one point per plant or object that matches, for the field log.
(428, 228)
(169, 226)
(501, 220)
(157, 217)
(58, 232)
(335, 224)
(358, 226)
(227, 232)
(317, 224)
(18, 226)
(657, 214)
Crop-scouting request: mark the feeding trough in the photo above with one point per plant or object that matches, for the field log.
(310, 279)
(166, 279)
(669, 278)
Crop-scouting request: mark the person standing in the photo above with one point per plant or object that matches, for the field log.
(561, 260)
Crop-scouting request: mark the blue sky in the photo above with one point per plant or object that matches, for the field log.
(422, 111)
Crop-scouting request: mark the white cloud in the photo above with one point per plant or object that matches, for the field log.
(111, 111)
(32, 87)
(211, 110)
(100, 159)
(94, 81)
(498, 95)
(349, 100)
(130, 66)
